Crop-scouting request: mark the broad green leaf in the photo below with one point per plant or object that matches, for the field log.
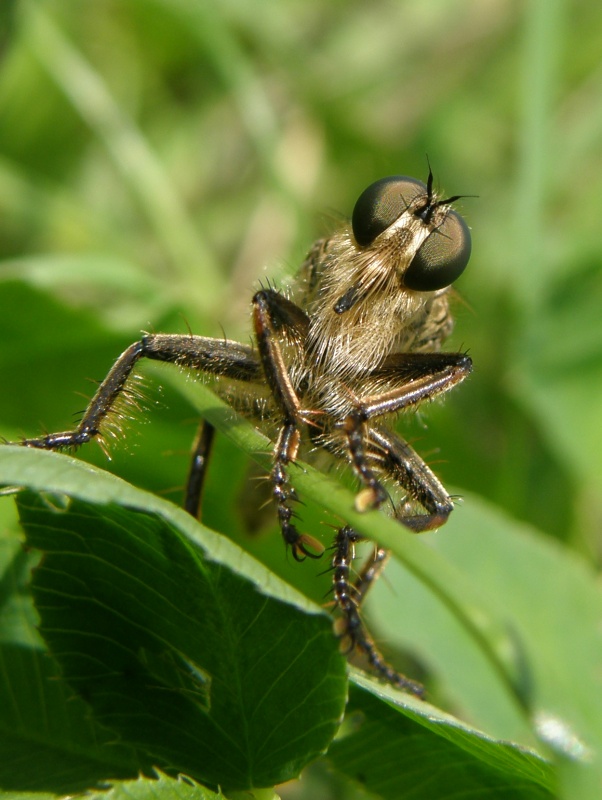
(138, 620)
(179, 642)
(157, 787)
(402, 756)
(48, 741)
(489, 651)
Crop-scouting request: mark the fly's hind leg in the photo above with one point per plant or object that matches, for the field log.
(349, 594)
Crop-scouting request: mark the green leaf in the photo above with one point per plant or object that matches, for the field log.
(48, 741)
(399, 756)
(137, 619)
(179, 642)
(162, 787)
(553, 610)
(450, 616)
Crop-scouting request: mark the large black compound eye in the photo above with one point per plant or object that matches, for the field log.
(442, 257)
(381, 204)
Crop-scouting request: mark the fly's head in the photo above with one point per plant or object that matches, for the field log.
(404, 247)
(403, 226)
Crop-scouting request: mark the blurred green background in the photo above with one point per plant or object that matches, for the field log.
(159, 158)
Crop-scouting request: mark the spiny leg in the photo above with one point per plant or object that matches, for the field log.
(99, 407)
(349, 595)
(343, 589)
(302, 544)
(201, 450)
(215, 356)
(373, 494)
(272, 314)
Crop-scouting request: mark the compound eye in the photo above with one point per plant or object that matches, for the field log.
(442, 257)
(381, 204)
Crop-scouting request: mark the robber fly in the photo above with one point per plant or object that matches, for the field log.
(356, 341)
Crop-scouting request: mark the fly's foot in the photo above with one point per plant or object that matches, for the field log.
(353, 637)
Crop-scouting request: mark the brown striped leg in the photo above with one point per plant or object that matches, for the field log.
(273, 316)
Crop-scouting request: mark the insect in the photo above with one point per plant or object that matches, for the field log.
(356, 341)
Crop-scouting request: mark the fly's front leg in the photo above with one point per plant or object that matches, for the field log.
(419, 377)
(274, 315)
(349, 594)
(108, 407)
(403, 464)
